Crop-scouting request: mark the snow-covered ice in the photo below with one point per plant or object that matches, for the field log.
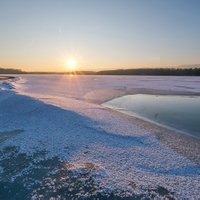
(58, 131)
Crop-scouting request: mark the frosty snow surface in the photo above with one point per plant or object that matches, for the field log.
(55, 144)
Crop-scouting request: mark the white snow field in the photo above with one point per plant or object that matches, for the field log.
(56, 144)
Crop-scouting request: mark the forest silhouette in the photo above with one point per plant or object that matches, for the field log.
(139, 71)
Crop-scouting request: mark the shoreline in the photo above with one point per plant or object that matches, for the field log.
(185, 145)
(188, 147)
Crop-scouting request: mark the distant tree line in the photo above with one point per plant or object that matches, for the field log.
(139, 71)
(11, 71)
(154, 72)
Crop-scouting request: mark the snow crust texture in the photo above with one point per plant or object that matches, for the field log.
(61, 146)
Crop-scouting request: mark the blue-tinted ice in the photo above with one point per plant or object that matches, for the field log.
(176, 112)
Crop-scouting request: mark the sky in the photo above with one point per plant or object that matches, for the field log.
(43, 35)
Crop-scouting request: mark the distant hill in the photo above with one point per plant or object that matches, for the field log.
(11, 71)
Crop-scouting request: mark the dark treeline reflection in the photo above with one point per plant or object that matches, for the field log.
(152, 71)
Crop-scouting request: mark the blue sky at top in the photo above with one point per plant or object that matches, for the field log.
(41, 35)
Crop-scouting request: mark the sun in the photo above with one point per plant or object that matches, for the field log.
(71, 63)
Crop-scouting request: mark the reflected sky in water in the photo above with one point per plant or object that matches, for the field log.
(178, 112)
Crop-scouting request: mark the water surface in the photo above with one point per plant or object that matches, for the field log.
(180, 113)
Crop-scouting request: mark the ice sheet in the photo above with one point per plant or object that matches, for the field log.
(59, 124)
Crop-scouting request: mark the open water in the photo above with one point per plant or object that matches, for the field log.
(180, 113)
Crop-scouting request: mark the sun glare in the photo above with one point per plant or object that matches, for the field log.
(71, 63)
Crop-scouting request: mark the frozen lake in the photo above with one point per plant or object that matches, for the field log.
(181, 113)
(58, 141)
